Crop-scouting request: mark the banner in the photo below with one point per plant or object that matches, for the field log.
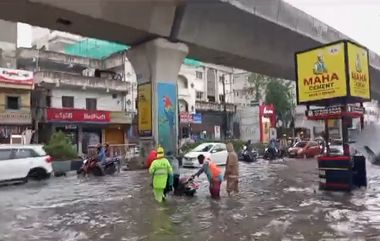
(167, 115)
(321, 73)
(358, 71)
(144, 107)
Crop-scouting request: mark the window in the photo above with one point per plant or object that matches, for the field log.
(5, 154)
(219, 148)
(199, 75)
(221, 79)
(199, 95)
(90, 104)
(221, 98)
(211, 98)
(13, 102)
(24, 153)
(48, 101)
(67, 102)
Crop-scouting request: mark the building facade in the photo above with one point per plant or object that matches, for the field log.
(89, 108)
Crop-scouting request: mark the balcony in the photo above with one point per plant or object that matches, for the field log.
(212, 106)
(27, 57)
(60, 79)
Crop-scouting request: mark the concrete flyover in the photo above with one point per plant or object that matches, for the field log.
(256, 35)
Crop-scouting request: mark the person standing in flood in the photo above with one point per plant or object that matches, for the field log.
(162, 172)
(213, 173)
(232, 170)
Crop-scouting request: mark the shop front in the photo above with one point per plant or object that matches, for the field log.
(85, 128)
(267, 120)
(13, 123)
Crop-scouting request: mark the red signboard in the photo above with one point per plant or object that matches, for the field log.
(75, 115)
(16, 76)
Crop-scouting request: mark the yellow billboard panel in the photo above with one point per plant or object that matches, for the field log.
(321, 73)
(144, 106)
(358, 71)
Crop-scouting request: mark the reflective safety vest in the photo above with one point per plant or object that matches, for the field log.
(161, 170)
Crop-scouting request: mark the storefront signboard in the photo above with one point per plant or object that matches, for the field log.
(15, 118)
(76, 115)
(16, 76)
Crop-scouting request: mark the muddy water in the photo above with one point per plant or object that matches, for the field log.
(279, 201)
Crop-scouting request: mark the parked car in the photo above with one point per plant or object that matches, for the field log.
(305, 149)
(217, 152)
(21, 162)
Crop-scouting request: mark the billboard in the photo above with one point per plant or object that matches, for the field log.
(358, 71)
(321, 73)
(144, 104)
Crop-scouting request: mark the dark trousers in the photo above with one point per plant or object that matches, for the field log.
(175, 184)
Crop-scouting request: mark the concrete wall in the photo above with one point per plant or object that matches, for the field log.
(249, 121)
(104, 100)
(24, 98)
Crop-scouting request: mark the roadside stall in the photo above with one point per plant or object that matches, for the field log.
(333, 82)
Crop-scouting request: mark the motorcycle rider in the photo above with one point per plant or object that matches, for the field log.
(101, 154)
(272, 147)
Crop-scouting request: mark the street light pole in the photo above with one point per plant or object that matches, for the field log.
(225, 107)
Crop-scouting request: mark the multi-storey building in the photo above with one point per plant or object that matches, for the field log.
(77, 96)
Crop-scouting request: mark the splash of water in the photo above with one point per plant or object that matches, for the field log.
(369, 137)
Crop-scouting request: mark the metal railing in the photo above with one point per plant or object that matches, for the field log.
(123, 151)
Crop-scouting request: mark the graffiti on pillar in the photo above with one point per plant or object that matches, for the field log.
(167, 115)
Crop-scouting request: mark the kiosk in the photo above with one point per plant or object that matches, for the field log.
(333, 82)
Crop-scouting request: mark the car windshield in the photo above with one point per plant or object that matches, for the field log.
(300, 144)
(205, 147)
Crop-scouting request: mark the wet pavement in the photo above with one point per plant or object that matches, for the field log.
(278, 201)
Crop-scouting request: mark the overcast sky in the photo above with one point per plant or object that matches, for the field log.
(358, 19)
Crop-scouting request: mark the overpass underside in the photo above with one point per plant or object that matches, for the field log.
(257, 35)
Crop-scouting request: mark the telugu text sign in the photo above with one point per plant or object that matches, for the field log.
(145, 109)
(358, 71)
(321, 73)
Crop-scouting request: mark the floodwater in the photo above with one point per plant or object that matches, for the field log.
(278, 201)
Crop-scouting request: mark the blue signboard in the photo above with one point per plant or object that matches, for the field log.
(197, 118)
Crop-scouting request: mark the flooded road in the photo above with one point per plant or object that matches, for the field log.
(279, 201)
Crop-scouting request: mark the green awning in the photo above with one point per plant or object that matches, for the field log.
(99, 49)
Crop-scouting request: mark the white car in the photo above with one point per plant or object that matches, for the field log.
(217, 152)
(20, 162)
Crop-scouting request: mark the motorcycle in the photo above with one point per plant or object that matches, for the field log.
(92, 167)
(271, 153)
(247, 155)
(186, 186)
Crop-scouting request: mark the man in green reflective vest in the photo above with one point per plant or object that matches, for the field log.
(161, 171)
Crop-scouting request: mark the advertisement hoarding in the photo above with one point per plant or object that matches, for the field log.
(144, 103)
(321, 73)
(358, 71)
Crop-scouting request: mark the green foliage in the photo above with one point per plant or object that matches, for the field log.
(257, 82)
(60, 147)
(279, 94)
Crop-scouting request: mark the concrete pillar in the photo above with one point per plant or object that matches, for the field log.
(157, 63)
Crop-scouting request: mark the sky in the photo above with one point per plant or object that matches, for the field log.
(358, 19)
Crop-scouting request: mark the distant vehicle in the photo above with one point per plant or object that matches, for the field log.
(305, 149)
(217, 152)
(23, 162)
(247, 155)
(91, 167)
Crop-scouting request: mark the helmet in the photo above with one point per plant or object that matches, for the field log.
(160, 152)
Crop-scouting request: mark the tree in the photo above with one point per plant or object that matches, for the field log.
(257, 82)
(279, 94)
(60, 147)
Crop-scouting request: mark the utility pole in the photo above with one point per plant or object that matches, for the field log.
(225, 107)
